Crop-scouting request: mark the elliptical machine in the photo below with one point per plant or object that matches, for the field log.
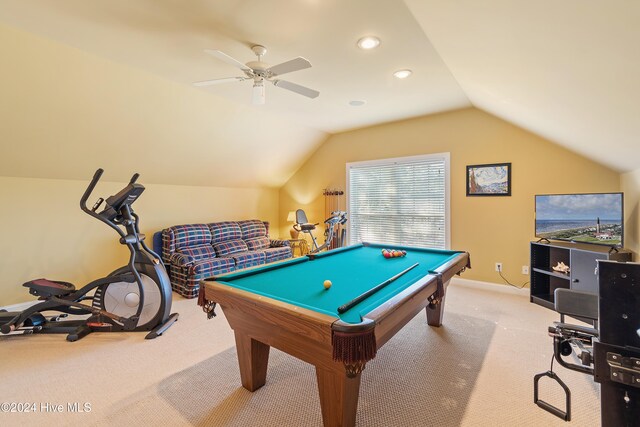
(136, 297)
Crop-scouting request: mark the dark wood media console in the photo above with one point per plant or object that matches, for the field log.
(582, 261)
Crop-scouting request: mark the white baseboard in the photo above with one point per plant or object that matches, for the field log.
(493, 287)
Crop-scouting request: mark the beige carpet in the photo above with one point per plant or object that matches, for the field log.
(476, 370)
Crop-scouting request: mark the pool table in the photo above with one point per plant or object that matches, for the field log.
(285, 305)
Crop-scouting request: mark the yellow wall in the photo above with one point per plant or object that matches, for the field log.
(630, 183)
(45, 234)
(492, 229)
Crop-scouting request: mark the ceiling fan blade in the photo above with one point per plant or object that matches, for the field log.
(305, 91)
(229, 60)
(218, 81)
(296, 64)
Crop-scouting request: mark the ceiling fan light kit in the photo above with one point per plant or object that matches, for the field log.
(260, 72)
(258, 93)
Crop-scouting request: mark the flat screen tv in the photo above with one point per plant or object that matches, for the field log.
(589, 218)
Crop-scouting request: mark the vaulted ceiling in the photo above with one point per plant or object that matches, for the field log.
(567, 71)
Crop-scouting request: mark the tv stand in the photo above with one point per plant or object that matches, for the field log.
(582, 260)
(542, 239)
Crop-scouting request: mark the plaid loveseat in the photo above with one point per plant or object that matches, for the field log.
(194, 252)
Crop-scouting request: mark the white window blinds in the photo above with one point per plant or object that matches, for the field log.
(401, 201)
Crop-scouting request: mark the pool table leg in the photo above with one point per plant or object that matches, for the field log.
(435, 312)
(253, 358)
(338, 396)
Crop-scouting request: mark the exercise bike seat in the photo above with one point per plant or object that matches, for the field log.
(302, 222)
(45, 288)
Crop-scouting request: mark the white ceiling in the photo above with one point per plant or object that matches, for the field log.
(565, 70)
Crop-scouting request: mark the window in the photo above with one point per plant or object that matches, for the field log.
(403, 201)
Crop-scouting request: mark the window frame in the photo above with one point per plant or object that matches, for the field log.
(446, 157)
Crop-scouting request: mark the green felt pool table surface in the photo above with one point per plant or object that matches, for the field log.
(352, 270)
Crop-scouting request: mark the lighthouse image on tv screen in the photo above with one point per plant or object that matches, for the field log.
(588, 218)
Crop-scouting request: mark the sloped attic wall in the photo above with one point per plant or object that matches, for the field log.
(65, 113)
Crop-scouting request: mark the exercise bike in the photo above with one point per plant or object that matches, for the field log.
(337, 219)
(136, 297)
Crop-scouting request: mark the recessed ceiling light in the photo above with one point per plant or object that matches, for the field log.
(368, 42)
(402, 74)
(357, 103)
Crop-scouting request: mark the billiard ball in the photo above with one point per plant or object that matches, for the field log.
(327, 284)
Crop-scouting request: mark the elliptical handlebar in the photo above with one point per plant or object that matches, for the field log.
(89, 190)
(134, 178)
(113, 204)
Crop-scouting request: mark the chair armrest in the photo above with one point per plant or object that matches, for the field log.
(276, 243)
(576, 303)
(180, 260)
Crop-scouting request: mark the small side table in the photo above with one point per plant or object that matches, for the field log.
(301, 245)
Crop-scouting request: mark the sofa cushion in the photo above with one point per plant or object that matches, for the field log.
(209, 267)
(190, 235)
(257, 243)
(230, 247)
(181, 236)
(223, 231)
(198, 252)
(277, 254)
(252, 228)
(248, 259)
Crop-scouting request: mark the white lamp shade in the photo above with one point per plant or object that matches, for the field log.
(292, 216)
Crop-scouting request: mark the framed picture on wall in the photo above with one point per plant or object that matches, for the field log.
(489, 180)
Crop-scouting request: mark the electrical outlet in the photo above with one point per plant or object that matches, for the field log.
(525, 269)
(498, 266)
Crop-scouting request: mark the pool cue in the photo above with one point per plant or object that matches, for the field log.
(372, 291)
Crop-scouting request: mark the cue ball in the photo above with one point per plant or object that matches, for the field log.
(327, 284)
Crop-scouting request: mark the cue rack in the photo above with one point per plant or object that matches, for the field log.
(334, 201)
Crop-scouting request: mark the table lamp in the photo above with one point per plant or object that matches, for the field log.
(292, 218)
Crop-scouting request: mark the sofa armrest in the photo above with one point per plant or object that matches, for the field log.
(180, 260)
(277, 243)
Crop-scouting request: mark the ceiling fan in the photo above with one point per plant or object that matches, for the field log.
(260, 72)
